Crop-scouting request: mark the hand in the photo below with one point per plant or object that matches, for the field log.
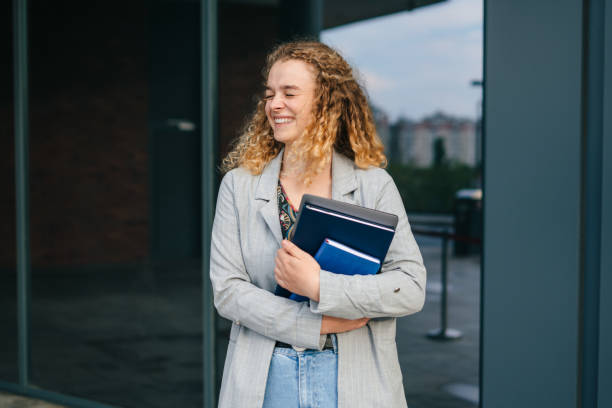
(297, 271)
(331, 324)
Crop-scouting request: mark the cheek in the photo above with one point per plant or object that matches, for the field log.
(307, 109)
(306, 115)
(303, 110)
(267, 111)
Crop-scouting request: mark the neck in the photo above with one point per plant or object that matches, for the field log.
(293, 169)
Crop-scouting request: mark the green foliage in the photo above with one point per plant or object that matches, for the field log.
(432, 189)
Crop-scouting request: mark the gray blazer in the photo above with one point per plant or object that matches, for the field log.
(245, 237)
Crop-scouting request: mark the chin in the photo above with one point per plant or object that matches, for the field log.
(284, 139)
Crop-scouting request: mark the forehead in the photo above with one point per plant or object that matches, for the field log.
(291, 72)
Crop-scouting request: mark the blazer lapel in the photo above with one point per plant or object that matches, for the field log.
(266, 190)
(344, 181)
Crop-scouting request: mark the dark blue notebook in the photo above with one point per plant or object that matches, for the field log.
(335, 257)
(362, 229)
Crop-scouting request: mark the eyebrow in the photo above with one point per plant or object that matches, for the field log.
(285, 87)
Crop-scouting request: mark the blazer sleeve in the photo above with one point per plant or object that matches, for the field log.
(238, 299)
(398, 290)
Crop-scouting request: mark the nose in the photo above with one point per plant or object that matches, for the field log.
(277, 102)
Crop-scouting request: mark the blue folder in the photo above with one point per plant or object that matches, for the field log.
(362, 229)
(335, 257)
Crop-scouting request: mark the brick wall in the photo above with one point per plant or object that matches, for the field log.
(246, 34)
(88, 132)
(89, 95)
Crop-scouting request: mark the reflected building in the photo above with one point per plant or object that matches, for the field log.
(415, 140)
(383, 128)
(402, 131)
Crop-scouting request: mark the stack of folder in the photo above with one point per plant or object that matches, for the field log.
(343, 238)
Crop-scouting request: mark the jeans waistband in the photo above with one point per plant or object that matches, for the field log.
(331, 343)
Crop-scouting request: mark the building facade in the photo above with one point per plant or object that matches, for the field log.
(114, 115)
(416, 140)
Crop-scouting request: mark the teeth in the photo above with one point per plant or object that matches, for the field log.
(282, 120)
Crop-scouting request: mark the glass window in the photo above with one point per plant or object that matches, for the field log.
(422, 70)
(241, 58)
(115, 201)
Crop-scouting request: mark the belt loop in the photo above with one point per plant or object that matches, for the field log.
(334, 342)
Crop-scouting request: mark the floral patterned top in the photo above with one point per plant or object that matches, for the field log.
(287, 213)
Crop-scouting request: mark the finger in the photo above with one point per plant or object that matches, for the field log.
(292, 249)
(282, 253)
(280, 273)
(287, 262)
(278, 277)
(281, 260)
(291, 262)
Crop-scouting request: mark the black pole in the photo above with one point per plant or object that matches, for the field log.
(24, 279)
(444, 296)
(444, 333)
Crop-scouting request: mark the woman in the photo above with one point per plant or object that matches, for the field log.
(312, 132)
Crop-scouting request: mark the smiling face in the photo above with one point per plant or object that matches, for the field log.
(289, 99)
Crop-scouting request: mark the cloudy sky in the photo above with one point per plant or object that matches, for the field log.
(415, 63)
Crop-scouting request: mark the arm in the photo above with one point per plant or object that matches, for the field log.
(238, 299)
(398, 290)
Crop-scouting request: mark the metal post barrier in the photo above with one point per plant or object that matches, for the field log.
(444, 333)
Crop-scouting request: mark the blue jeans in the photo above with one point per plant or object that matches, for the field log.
(302, 379)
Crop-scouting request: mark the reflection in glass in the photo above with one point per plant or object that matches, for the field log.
(241, 56)
(8, 248)
(115, 208)
(419, 69)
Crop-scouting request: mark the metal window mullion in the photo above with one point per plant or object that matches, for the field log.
(20, 61)
(592, 139)
(208, 131)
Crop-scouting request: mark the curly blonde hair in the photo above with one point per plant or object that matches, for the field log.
(341, 118)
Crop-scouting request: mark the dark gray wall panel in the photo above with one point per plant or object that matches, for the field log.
(532, 203)
(605, 310)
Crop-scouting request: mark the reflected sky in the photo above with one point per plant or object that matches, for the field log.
(415, 63)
